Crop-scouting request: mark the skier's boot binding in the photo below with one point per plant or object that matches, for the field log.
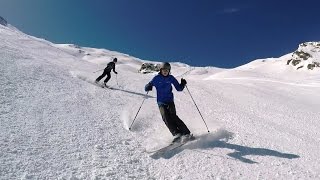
(187, 137)
(176, 138)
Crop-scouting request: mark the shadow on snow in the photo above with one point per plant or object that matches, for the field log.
(219, 140)
(131, 92)
(88, 80)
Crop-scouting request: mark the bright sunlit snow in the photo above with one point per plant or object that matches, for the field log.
(263, 117)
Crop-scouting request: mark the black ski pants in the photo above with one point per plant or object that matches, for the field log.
(173, 122)
(105, 72)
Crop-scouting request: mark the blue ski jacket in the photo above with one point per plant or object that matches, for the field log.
(164, 87)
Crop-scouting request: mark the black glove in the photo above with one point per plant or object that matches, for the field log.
(183, 82)
(116, 72)
(148, 87)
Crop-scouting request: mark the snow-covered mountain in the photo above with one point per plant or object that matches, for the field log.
(307, 56)
(55, 124)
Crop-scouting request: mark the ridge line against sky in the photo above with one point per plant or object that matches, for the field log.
(200, 33)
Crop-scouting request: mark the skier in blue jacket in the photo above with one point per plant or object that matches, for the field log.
(163, 83)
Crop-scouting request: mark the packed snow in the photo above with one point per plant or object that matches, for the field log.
(263, 117)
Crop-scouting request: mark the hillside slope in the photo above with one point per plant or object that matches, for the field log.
(55, 124)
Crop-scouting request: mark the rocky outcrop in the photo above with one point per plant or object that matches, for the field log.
(3, 21)
(149, 68)
(307, 56)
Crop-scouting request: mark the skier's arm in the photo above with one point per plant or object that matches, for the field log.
(114, 69)
(179, 87)
(148, 86)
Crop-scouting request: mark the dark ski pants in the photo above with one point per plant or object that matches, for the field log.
(173, 122)
(105, 72)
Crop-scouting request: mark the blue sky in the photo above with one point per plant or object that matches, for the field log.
(218, 33)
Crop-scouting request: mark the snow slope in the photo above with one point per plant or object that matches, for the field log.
(55, 124)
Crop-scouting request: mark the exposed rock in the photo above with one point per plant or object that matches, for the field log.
(307, 56)
(149, 68)
(295, 62)
(3, 21)
(301, 54)
(288, 62)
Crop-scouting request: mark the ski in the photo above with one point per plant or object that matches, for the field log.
(109, 87)
(99, 85)
(102, 85)
(170, 147)
(165, 148)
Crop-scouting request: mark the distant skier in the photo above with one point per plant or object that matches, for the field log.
(107, 70)
(166, 105)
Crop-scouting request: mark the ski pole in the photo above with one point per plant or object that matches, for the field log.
(98, 70)
(138, 111)
(197, 108)
(117, 80)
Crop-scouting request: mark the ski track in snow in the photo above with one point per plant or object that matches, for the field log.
(55, 124)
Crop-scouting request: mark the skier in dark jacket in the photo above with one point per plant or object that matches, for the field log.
(163, 83)
(107, 70)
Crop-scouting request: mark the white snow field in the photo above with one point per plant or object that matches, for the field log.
(263, 117)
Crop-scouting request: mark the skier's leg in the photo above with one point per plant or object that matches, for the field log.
(101, 76)
(177, 121)
(108, 77)
(168, 120)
